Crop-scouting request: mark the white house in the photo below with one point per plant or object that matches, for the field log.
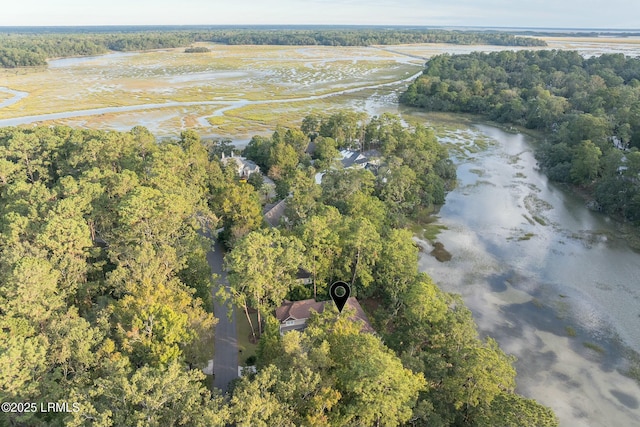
(243, 166)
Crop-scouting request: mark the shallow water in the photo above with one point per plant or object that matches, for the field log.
(17, 96)
(71, 62)
(543, 291)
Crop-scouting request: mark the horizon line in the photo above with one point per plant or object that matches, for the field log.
(535, 28)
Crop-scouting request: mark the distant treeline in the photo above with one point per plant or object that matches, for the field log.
(21, 49)
(589, 108)
(373, 37)
(604, 34)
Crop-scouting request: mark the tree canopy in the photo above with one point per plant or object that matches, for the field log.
(104, 301)
(589, 108)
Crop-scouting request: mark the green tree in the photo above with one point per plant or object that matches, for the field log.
(304, 197)
(262, 269)
(339, 185)
(399, 191)
(360, 205)
(321, 238)
(374, 386)
(156, 322)
(283, 160)
(326, 152)
(586, 162)
(396, 270)
(160, 396)
(436, 335)
(361, 250)
(255, 401)
(511, 410)
(240, 211)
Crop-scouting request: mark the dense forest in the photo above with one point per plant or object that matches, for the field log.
(588, 109)
(104, 286)
(105, 290)
(25, 49)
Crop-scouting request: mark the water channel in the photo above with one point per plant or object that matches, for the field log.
(556, 284)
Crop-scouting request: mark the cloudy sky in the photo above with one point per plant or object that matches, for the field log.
(491, 13)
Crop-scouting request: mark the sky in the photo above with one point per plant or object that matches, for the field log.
(622, 14)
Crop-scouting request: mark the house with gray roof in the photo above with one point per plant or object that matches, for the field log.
(244, 167)
(273, 214)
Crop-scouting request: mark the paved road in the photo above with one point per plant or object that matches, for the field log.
(225, 359)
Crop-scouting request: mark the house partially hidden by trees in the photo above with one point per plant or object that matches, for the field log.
(274, 214)
(293, 315)
(244, 167)
(369, 160)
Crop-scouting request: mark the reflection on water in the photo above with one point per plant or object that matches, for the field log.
(102, 59)
(554, 283)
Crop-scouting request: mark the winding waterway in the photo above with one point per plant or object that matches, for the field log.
(229, 104)
(17, 96)
(553, 282)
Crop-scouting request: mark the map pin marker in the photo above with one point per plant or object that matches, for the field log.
(340, 292)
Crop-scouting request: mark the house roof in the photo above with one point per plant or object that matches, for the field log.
(373, 153)
(360, 314)
(299, 310)
(242, 164)
(303, 274)
(310, 148)
(348, 158)
(274, 213)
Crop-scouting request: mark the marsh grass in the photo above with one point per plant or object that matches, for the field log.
(594, 347)
(227, 72)
(440, 253)
(633, 368)
(431, 231)
(529, 220)
(634, 372)
(539, 220)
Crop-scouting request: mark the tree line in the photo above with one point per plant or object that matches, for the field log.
(25, 49)
(367, 37)
(588, 108)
